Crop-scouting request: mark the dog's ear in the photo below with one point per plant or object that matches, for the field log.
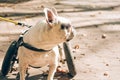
(50, 15)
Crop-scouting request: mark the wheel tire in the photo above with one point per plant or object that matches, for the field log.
(70, 63)
(11, 52)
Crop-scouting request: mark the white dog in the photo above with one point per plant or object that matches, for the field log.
(43, 38)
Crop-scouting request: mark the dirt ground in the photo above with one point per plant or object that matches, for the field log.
(96, 46)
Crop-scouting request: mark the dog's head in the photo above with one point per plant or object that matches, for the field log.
(61, 27)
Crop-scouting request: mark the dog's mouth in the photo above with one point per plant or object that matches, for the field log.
(67, 40)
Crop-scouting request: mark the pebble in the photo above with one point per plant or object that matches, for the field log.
(105, 74)
(76, 47)
(83, 54)
(103, 36)
(107, 64)
(74, 57)
(83, 35)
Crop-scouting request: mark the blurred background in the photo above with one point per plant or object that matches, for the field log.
(96, 46)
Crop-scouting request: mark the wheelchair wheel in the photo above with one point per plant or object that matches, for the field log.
(70, 63)
(9, 58)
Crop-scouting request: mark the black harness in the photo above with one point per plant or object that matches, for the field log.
(28, 46)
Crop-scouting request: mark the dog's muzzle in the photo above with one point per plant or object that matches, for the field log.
(71, 36)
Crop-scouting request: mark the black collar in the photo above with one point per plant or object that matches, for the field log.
(28, 46)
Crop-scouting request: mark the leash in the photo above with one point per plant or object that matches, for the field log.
(14, 22)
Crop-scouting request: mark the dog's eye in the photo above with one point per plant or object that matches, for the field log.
(62, 26)
(67, 26)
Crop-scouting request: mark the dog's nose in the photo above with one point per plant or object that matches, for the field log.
(71, 36)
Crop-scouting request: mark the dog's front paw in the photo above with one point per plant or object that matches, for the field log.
(60, 70)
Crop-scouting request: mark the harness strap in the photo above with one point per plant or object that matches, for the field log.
(28, 46)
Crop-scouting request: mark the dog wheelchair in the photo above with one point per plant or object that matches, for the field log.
(11, 56)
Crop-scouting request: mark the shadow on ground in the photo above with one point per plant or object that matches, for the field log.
(58, 76)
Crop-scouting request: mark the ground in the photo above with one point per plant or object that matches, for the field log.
(95, 48)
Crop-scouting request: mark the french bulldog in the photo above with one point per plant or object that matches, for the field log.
(47, 34)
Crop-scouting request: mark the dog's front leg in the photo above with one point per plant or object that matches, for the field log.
(22, 71)
(52, 70)
(61, 54)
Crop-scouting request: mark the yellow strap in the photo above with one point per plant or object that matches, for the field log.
(8, 20)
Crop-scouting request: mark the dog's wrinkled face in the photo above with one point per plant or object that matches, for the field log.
(60, 26)
(66, 28)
